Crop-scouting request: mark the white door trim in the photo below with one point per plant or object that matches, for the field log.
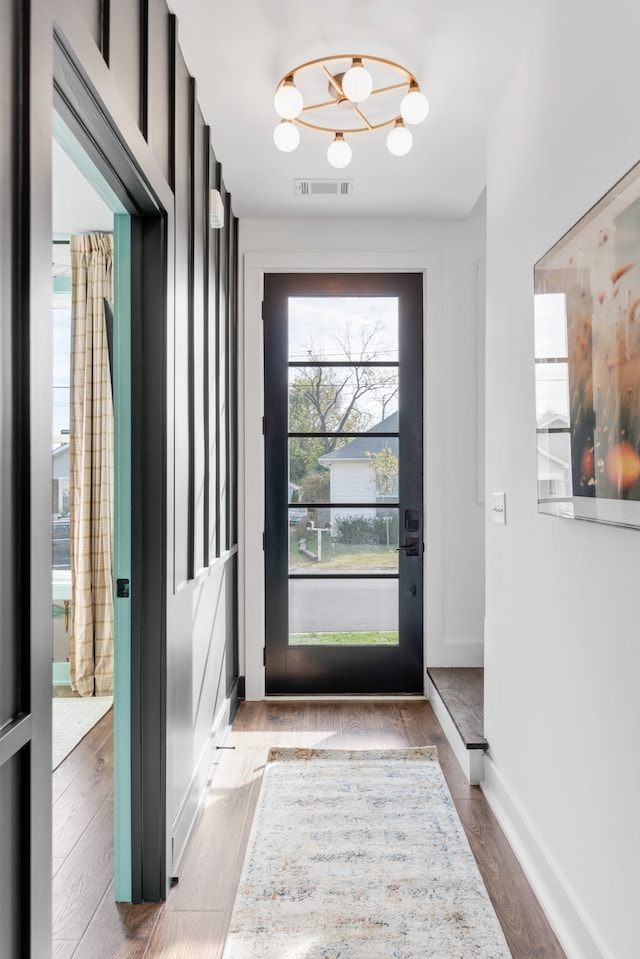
(251, 445)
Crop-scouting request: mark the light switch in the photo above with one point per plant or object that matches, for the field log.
(499, 508)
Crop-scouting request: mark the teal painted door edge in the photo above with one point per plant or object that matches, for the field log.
(60, 674)
(122, 556)
(65, 138)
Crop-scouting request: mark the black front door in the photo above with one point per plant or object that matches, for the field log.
(343, 450)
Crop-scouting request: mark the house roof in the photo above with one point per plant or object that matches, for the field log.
(358, 448)
(550, 420)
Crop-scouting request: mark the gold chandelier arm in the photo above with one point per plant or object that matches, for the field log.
(394, 86)
(319, 106)
(332, 80)
(332, 103)
(347, 131)
(350, 57)
(362, 117)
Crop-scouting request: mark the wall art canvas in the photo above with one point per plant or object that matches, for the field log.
(587, 337)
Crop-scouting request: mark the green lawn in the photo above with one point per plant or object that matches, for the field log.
(340, 556)
(372, 638)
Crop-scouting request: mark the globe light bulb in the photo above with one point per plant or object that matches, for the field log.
(357, 83)
(414, 106)
(400, 140)
(288, 100)
(339, 153)
(286, 136)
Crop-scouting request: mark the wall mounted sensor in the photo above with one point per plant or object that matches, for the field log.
(216, 210)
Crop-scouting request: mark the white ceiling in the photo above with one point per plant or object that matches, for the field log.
(461, 51)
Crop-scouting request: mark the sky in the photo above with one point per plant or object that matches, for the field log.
(323, 323)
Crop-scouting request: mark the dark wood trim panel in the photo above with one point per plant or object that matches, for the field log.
(228, 320)
(150, 435)
(182, 168)
(171, 86)
(212, 370)
(206, 376)
(219, 313)
(233, 385)
(191, 534)
(200, 226)
(105, 28)
(144, 68)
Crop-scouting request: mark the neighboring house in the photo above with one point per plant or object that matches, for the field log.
(60, 474)
(293, 489)
(352, 479)
(554, 457)
(296, 513)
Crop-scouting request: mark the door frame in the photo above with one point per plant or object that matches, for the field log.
(251, 411)
(370, 670)
(106, 135)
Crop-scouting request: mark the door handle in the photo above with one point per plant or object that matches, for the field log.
(410, 547)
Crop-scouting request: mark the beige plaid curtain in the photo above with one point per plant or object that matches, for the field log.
(91, 468)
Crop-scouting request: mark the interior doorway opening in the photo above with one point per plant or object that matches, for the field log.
(90, 527)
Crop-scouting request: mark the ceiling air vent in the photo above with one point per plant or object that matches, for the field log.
(323, 187)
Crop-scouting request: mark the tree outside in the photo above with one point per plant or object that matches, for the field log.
(336, 400)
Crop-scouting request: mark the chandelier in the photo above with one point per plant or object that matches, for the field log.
(345, 95)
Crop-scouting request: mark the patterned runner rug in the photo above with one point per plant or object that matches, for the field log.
(360, 855)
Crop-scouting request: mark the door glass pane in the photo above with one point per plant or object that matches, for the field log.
(342, 399)
(552, 394)
(550, 311)
(330, 328)
(343, 540)
(344, 612)
(342, 470)
(554, 466)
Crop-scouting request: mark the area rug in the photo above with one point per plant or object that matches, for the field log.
(72, 718)
(360, 855)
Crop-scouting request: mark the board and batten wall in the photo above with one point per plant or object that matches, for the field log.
(139, 46)
(562, 651)
(127, 53)
(451, 254)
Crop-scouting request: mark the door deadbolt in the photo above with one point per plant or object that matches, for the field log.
(411, 520)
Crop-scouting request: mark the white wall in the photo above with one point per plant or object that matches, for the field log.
(562, 652)
(450, 251)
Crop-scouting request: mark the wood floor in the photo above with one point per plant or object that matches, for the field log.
(193, 921)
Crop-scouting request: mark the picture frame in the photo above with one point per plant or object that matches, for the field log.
(587, 364)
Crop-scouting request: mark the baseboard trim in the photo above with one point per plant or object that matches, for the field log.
(471, 760)
(343, 698)
(566, 917)
(190, 811)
